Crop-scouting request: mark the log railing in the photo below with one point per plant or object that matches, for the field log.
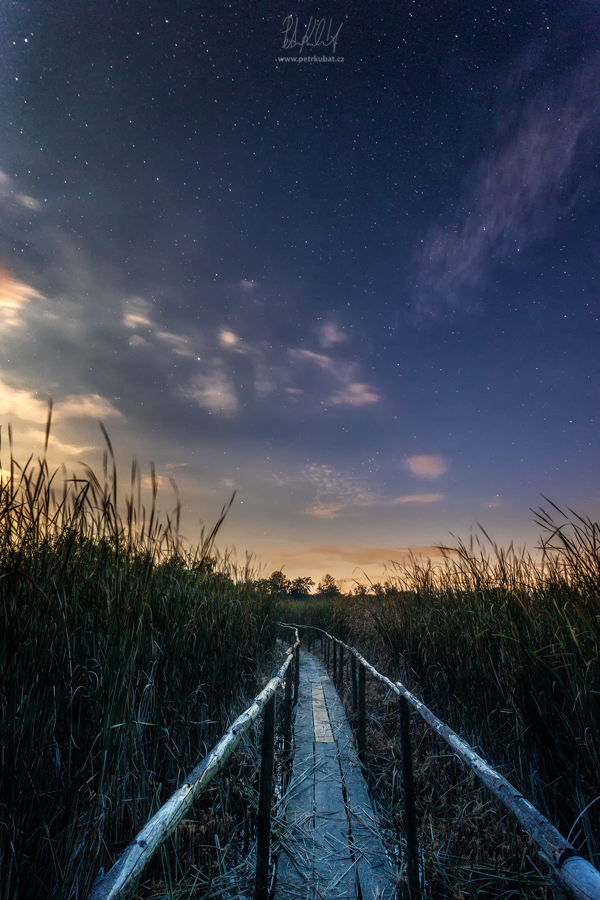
(572, 875)
(120, 882)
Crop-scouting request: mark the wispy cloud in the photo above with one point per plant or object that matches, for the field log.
(59, 447)
(416, 498)
(179, 344)
(31, 407)
(516, 196)
(336, 494)
(8, 192)
(228, 338)
(14, 297)
(426, 466)
(329, 335)
(374, 556)
(345, 391)
(213, 391)
(354, 394)
(86, 406)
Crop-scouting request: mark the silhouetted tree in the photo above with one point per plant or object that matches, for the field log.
(279, 584)
(328, 587)
(300, 587)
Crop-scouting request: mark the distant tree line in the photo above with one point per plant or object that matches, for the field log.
(300, 588)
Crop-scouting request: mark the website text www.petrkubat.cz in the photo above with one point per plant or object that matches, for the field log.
(304, 59)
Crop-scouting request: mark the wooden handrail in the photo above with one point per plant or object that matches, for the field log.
(124, 876)
(574, 874)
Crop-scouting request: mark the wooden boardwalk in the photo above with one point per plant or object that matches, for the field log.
(330, 844)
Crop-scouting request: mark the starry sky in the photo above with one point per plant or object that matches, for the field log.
(342, 258)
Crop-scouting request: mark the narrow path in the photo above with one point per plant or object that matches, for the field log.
(330, 844)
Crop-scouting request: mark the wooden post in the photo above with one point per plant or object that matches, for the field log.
(410, 813)
(296, 673)
(341, 673)
(287, 713)
(334, 665)
(361, 714)
(354, 681)
(265, 799)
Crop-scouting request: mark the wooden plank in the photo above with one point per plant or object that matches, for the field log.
(375, 873)
(320, 857)
(323, 732)
(334, 871)
(295, 870)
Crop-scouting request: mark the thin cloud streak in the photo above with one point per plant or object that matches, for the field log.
(347, 392)
(371, 556)
(518, 194)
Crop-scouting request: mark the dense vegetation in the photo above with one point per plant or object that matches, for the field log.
(120, 657)
(504, 648)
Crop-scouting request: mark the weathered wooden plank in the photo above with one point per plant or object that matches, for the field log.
(376, 875)
(323, 732)
(338, 857)
(295, 870)
(334, 871)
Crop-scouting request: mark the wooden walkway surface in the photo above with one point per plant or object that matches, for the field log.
(330, 844)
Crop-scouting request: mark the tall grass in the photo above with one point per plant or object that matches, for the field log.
(506, 649)
(316, 611)
(120, 653)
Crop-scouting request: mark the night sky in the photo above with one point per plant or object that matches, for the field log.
(363, 292)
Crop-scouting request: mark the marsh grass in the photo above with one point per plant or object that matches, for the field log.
(121, 653)
(316, 611)
(505, 648)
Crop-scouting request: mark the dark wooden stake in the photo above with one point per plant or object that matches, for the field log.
(410, 813)
(296, 673)
(287, 712)
(334, 666)
(361, 714)
(354, 680)
(265, 799)
(341, 672)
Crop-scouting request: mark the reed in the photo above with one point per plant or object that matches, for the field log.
(504, 647)
(121, 653)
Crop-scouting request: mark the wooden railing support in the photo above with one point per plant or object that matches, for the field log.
(265, 799)
(341, 671)
(410, 812)
(354, 687)
(296, 673)
(287, 713)
(361, 730)
(334, 666)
